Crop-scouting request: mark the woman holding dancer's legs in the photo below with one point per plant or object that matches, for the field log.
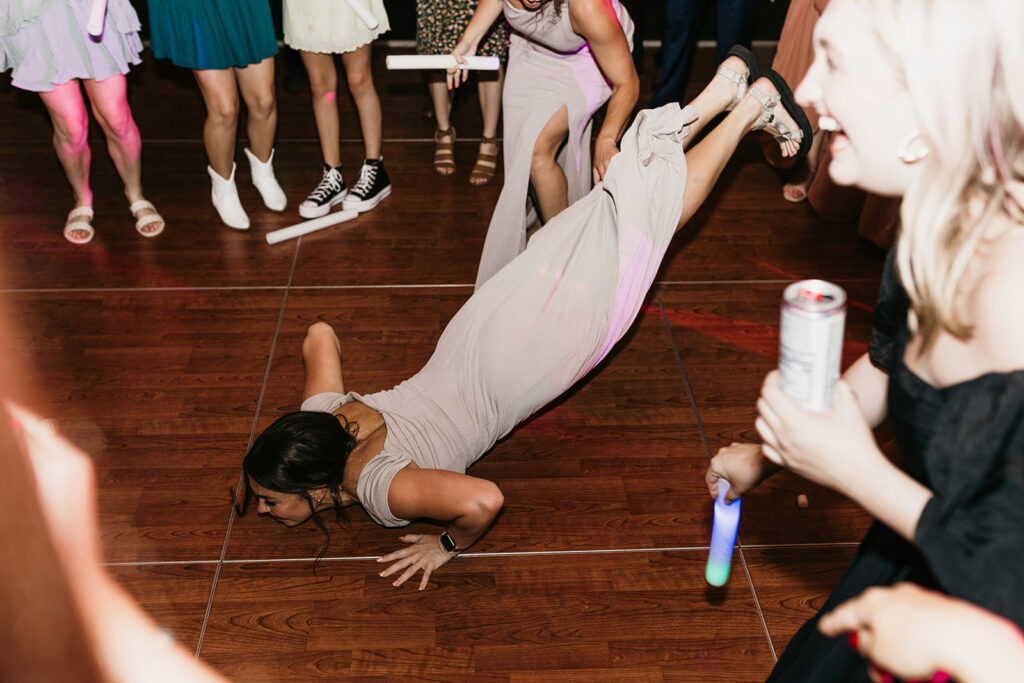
(50, 52)
(911, 117)
(439, 25)
(566, 59)
(230, 47)
(402, 454)
(319, 29)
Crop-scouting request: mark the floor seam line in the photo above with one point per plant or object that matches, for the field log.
(252, 433)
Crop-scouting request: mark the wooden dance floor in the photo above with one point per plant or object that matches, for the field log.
(162, 358)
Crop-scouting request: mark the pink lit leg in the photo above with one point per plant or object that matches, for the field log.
(71, 137)
(109, 99)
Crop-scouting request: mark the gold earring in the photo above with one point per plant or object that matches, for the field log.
(913, 148)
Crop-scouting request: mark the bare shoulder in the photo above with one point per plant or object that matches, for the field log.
(997, 304)
(593, 18)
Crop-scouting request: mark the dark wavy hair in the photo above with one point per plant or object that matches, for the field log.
(301, 451)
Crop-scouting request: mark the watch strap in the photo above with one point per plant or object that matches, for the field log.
(448, 543)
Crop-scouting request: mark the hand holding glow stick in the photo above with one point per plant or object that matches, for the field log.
(306, 227)
(441, 62)
(723, 536)
(97, 9)
(363, 13)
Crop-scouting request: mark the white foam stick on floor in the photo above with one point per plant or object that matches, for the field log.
(96, 11)
(360, 9)
(441, 62)
(306, 227)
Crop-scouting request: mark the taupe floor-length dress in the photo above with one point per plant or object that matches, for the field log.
(541, 323)
(549, 66)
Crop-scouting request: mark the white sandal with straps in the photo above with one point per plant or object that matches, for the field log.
(739, 79)
(142, 221)
(768, 121)
(79, 221)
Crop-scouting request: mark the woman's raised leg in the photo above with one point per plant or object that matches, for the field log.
(707, 158)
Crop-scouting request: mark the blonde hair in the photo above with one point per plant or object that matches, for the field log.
(962, 63)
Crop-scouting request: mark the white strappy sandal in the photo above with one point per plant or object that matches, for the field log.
(774, 125)
(142, 221)
(79, 221)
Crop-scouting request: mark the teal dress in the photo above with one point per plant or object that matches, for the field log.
(211, 34)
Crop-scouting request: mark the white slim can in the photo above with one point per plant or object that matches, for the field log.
(811, 341)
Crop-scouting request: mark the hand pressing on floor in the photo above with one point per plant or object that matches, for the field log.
(425, 552)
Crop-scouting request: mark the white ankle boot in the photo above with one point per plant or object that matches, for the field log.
(226, 201)
(264, 180)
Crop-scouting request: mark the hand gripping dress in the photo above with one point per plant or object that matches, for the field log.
(549, 66)
(964, 442)
(579, 285)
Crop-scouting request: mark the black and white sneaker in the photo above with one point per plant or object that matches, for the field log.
(329, 193)
(372, 187)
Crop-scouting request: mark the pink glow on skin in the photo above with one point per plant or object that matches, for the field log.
(357, 78)
(330, 97)
(791, 276)
(759, 339)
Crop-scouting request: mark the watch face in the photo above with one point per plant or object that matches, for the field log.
(447, 542)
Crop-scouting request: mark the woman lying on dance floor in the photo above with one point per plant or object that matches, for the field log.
(402, 454)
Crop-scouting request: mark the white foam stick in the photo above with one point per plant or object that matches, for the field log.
(360, 9)
(441, 62)
(306, 227)
(96, 11)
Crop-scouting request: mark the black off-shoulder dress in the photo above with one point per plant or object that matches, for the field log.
(965, 443)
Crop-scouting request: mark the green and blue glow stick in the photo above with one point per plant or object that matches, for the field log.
(723, 536)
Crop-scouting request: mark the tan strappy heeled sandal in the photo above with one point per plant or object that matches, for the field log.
(486, 163)
(444, 152)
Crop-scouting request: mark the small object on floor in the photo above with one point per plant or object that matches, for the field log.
(723, 536)
(330, 192)
(373, 186)
(306, 227)
(441, 62)
(486, 164)
(802, 502)
(78, 228)
(363, 13)
(148, 219)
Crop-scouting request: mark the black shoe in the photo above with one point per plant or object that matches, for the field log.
(329, 193)
(372, 187)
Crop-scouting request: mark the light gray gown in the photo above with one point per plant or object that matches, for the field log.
(549, 66)
(541, 323)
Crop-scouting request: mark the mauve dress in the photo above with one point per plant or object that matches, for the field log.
(541, 323)
(549, 66)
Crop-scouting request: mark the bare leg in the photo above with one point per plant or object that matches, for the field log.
(360, 84)
(256, 82)
(489, 87)
(321, 356)
(109, 99)
(220, 95)
(323, 83)
(546, 176)
(71, 136)
(442, 99)
(706, 159)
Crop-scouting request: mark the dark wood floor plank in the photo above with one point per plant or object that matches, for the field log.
(174, 595)
(161, 389)
(640, 616)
